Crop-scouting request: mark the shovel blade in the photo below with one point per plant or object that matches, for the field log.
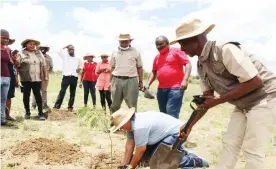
(165, 158)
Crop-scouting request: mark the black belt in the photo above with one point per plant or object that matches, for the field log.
(123, 77)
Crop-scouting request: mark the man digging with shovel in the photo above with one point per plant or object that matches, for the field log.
(146, 131)
(240, 79)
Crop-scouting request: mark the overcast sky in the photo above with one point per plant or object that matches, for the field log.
(93, 26)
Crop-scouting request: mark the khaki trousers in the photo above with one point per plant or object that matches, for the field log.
(124, 89)
(250, 132)
(44, 86)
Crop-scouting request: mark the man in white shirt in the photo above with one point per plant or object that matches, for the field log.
(71, 68)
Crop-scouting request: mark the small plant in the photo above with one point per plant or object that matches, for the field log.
(94, 118)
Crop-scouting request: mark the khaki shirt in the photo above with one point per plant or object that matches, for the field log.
(222, 67)
(234, 60)
(34, 64)
(49, 63)
(125, 63)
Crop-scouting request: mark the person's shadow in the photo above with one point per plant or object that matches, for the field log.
(13, 124)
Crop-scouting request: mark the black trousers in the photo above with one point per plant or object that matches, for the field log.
(35, 87)
(89, 86)
(72, 82)
(105, 95)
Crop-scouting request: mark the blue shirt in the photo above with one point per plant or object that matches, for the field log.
(149, 128)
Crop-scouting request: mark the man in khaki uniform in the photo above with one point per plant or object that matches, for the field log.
(240, 79)
(127, 74)
(44, 84)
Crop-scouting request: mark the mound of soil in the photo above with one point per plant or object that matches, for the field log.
(49, 151)
(103, 161)
(55, 115)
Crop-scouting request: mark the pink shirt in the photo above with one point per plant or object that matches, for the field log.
(169, 66)
(103, 81)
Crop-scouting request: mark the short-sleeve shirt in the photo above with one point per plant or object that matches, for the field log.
(235, 60)
(169, 66)
(149, 128)
(126, 62)
(89, 71)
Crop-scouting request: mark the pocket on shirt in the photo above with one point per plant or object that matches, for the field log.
(218, 67)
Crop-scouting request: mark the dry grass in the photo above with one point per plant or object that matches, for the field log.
(87, 131)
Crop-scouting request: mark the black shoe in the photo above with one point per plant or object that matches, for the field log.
(70, 109)
(41, 117)
(27, 115)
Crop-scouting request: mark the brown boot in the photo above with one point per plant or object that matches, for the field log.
(8, 107)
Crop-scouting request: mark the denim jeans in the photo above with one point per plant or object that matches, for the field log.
(188, 161)
(170, 100)
(5, 85)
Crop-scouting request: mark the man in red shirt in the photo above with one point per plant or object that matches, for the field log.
(168, 68)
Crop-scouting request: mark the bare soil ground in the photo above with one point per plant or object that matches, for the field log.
(66, 141)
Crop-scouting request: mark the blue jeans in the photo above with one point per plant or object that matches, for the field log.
(5, 85)
(188, 161)
(170, 100)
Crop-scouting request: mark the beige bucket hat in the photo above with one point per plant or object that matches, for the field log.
(6, 33)
(88, 55)
(11, 41)
(44, 46)
(190, 29)
(23, 43)
(125, 37)
(120, 117)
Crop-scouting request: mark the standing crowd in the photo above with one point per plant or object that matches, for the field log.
(225, 68)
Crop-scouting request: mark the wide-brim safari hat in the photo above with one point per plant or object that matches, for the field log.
(124, 37)
(88, 55)
(190, 29)
(44, 46)
(4, 32)
(104, 55)
(11, 41)
(121, 117)
(23, 43)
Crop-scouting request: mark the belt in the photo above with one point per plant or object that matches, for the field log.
(123, 77)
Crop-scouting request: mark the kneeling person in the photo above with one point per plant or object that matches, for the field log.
(146, 131)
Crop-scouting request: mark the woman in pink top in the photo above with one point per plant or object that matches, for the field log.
(103, 83)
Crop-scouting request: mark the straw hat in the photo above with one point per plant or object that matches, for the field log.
(125, 37)
(190, 29)
(4, 32)
(28, 40)
(120, 117)
(88, 55)
(44, 46)
(104, 55)
(11, 41)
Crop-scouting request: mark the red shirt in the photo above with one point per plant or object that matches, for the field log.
(169, 66)
(5, 59)
(89, 71)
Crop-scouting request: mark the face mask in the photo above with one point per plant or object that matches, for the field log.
(124, 48)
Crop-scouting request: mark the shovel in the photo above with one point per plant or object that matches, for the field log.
(168, 156)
